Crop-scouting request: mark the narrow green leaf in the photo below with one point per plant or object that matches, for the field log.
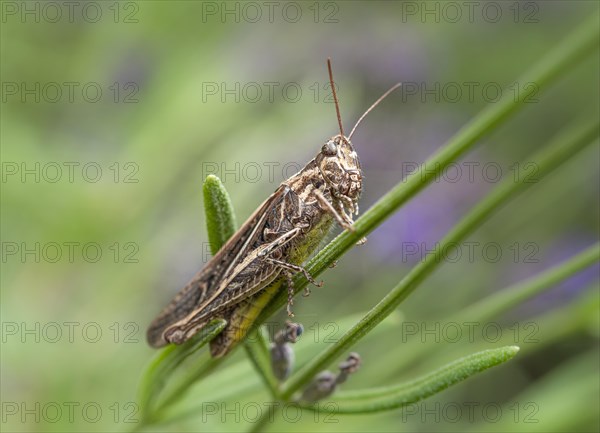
(398, 396)
(220, 216)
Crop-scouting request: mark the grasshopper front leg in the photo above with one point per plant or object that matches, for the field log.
(342, 218)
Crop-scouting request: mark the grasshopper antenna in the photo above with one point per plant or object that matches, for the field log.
(335, 99)
(375, 104)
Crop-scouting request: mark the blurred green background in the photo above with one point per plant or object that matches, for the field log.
(102, 216)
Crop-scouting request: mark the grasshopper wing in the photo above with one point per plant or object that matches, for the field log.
(206, 293)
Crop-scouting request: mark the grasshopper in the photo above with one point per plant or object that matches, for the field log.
(269, 247)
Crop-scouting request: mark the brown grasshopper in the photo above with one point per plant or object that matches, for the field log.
(271, 245)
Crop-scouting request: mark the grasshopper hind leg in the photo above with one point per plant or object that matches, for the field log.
(240, 320)
(222, 343)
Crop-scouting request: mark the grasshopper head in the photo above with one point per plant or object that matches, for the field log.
(338, 162)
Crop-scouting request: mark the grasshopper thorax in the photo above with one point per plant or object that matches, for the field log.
(340, 168)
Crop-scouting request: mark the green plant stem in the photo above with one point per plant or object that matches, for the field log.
(165, 362)
(550, 158)
(398, 396)
(266, 417)
(503, 300)
(257, 350)
(561, 59)
(191, 377)
(220, 216)
(554, 325)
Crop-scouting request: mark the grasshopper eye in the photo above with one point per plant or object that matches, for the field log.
(329, 148)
